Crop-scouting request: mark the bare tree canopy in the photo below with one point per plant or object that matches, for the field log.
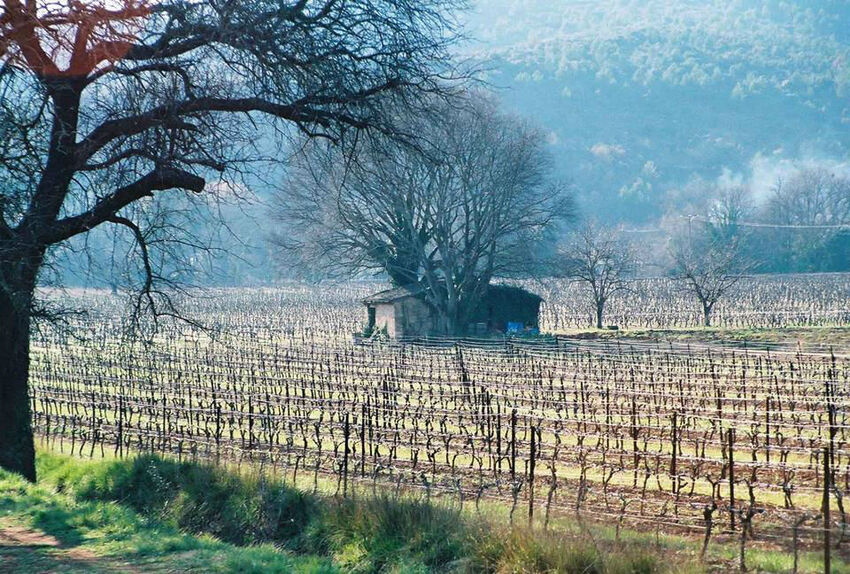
(811, 215)
(729, 208)
(811, 197)
(469, 202)
(600, 258)
(105, 104)
(708, 264)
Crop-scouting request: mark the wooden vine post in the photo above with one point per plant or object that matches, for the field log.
(513, 446)
(120, 448)
(363, 440)
(217, 432)
(828, 452)
(673, 473)
(826, 519)
(531, 463)
(731, 435)
(346, 433)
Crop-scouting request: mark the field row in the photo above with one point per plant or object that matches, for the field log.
(644, 434)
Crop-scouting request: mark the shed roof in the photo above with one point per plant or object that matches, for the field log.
(513, 291)
(398, 293)
(390, 295)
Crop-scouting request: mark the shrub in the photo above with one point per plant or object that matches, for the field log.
(384, 533)
(197, 497)
(370, 535)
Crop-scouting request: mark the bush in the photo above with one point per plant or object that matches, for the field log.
(370, 535)
(523, 550)
(378, 534)
(198, 498)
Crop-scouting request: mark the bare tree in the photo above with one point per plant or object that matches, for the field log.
(728, 209)
(105, 104)
(814, 196)
(809, 211)
(600, 258)
(708, 266)
(470, 203)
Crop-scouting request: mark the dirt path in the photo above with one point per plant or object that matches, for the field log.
(24, 550)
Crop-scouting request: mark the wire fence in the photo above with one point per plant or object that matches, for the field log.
(640, 434)
(688, 437)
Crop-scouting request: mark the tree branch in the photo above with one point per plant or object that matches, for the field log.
(105, 209)
(300, 112)
(146, 262)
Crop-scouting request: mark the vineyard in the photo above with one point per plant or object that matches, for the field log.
(696, 438)
(761, 302)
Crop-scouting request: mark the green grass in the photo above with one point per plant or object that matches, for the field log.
(97, 535)
(195, 498)
(161, 515)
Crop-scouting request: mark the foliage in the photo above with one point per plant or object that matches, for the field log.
(345, 536)
(118, 536)
(197, 498)
(811, 212)
(373, 534)
(639, 99)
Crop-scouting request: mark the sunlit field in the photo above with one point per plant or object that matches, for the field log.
(698, 437)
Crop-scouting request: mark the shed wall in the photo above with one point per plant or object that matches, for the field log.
(385, 317)
(413, 318)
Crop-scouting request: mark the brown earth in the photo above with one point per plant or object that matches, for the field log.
(25, 550)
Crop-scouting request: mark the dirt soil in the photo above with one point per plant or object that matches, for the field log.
(25, 550)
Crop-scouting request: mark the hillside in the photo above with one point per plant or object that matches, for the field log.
(642, 97)
(637, 98)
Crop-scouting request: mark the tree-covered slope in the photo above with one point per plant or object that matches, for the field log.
(641, 96)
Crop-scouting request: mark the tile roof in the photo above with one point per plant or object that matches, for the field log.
(390, 295)
(397, 293)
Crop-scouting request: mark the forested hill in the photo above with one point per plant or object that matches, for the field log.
(638, 97)
(642, 96)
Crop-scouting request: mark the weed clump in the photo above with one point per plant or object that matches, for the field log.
(364, 535)
(197, 498)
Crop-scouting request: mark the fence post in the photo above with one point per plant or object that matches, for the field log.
(531, 477)
(731, 435)
(346, 432)
(673, 470)
(121, 426)
(826, 520)
(217, 432)
(513, 446)
(363, 440)
(767, 428)
(497, 469)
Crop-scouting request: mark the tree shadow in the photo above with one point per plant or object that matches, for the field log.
(28, 550)
(48, 516)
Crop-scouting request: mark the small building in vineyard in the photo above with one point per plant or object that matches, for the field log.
(404, 312)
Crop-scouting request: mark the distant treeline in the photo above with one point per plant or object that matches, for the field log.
(802, 226)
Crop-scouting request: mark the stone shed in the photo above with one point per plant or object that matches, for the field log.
(404, 312)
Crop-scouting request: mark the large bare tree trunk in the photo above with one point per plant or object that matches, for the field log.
(17, 451)
(453, 327)
(706, 313)
(600, 308)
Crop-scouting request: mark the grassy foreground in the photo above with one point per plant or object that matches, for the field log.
(159, 515)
